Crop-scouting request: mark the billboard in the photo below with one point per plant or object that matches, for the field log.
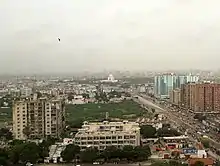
(190, 150)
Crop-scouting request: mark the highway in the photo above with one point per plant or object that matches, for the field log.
(186, 122)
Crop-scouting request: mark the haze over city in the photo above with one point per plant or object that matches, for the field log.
(108, 34)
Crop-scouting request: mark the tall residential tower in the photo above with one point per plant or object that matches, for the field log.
(38, 118)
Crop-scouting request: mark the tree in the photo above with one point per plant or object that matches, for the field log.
(27, 131)
(128, 152)
(142, 153)
(44, 149)
(111, 152)
(25, 152)
(167, 132)
(199, 163)
(3, 157)
(89, 155)
(85, 96)
(70, 152)
(205, 143)
(30, 152)
(6, 134)
(16, 142)
(148, 131)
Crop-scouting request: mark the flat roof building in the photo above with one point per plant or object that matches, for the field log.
(38, 118)
(104, 134)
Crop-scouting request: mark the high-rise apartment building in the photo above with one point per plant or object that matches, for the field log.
(201, 97)
(104, 134)
(165, 83)
(38, 118)
(175, 97)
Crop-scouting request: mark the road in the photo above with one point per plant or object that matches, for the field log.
(181, 121)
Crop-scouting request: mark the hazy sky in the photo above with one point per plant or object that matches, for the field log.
(108, 34)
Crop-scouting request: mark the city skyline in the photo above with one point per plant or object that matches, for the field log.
(108, 35)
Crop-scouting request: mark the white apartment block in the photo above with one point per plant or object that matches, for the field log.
(103, 134)
(44, 117)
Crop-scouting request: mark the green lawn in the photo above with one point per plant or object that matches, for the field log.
(77, 113)
(92, 111)
(5, 115)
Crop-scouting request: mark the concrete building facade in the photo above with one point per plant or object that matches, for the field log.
(104, 134)
(38, 118)
(201, 97)
(175, 96)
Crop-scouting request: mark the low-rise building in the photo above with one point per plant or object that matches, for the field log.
(104, 134)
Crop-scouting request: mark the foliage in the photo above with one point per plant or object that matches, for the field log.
(199, 163)
(22, 153)
(70, 152)
(110, 153)
(6, 134)
(205, 143)
(5, 114)
(170, 163)
(89, 155)
(85, 95)
(167, 132)
(27, 131)
(148, 131)
(101, 97)
(3, 157)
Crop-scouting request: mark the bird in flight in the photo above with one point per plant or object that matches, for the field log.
(59, 39)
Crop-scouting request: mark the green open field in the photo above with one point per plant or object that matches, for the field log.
(5, 115)
(127, 109)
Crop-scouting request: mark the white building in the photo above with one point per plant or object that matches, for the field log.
(110, 79)
(103, 134)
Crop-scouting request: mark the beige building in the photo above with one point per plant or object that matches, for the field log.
(103, 134)
(175, 96)
(38, 118)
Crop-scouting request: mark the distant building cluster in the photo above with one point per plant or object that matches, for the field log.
(104, 134)
(165, 83)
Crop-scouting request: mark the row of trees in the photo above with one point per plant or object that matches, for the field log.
(175, 163)
(128, 153)
(19, 152)
(149, 131)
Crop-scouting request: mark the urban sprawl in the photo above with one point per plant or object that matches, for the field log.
(165, 119)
